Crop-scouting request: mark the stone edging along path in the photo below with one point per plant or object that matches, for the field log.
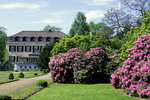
(15, 86)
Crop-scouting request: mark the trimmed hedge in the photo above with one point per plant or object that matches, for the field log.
(11, 76)
(21, 75)
(5, 97)
(42, 83)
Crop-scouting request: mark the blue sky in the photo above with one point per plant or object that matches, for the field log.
(18, 15)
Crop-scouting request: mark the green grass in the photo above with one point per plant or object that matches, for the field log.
(26, 90)
(7, 80)
(16, 94)
(81, 92)
(27, 74)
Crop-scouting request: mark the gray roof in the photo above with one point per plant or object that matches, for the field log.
(39, 34)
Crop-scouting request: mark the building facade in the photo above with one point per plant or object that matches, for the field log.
(23, 48)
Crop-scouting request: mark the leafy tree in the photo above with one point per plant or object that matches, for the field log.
(79, 25)
(43, 59)
(2, 30)
(52, 28)
(100, 30)
(134, 34)
(3, 38)
(118, 20)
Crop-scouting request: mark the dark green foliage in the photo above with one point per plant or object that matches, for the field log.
(21, 75)
(42, 83)
(11, 76)
(43, 59)
(46, 70)
(134, 34)
(5, 97)
(3, 38)
(100, 30)
(35, 74)
(86, 42)
(51, 28)
(79, 26)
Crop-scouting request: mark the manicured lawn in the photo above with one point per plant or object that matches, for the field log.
(27, 74)
(21, 92)
(7, 80)
(81, 92)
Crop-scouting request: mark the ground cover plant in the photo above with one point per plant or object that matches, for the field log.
(81, 92)
(134, 75)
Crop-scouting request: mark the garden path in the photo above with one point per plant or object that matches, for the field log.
(15, 86)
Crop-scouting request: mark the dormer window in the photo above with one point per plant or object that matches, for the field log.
(33, 38)
(48, 39)
(17, 39)
(12, 39)
(40, 39)
(25, 39)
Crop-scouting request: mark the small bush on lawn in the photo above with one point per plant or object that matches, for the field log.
(16, 70)
(21, 75)
(42, 83)
(5, 97)
(35, 74)
(134, 75)
(11, 76)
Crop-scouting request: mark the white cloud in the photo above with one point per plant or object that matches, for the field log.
(98, 2)
(48, 21)
(21, 5)
(94, 14)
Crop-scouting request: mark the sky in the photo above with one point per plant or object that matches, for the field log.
(34, 15)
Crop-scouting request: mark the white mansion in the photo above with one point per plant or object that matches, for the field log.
(23, 48)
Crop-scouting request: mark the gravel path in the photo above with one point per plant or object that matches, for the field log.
(12, 87)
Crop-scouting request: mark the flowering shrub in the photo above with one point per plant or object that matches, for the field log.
(134, 75)
(92, 67)
(62, 65)
(76, 66)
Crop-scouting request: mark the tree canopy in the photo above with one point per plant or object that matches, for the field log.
(51, 28)
(79, 25)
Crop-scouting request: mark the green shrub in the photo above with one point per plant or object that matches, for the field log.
(16, 70)
(35, 74)
(5, 97)
(21, 75)
(42, 83)
(11, 76)
(45, 71)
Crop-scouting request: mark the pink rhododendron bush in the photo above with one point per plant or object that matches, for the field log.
(61, 65)
(75, 66)
(92, 67)
(134, 75)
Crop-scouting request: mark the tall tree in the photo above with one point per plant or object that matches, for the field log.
(100, 30)
(3, 38)
(118, 20)
(79, 25)
(2, 30)
(44, 56)
(51, 28)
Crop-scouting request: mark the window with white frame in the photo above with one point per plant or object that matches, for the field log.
(12, 48)
(20, 48)
(12, 58)
(28, 48)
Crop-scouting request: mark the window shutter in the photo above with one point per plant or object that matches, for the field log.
(9, 48)
(22, 48)
(14, 48)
